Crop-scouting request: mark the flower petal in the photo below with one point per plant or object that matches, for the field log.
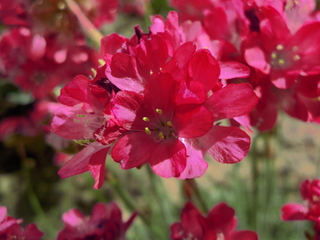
(226, 144)
(80, 162)
(204, 68)
(133, 149)
(293, 211)
(234, 100)
(196, 166)
(97, 166)
(168, 159)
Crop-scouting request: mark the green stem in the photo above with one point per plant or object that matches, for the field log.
(255, 185)
(89, 29)
(200, 199)
(161, 197)
(126, 198)
(32, 197)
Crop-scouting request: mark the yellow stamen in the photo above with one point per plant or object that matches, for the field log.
(281, 61)
(296, 58)
(169, 123)
(161, 136)
(147, 130)
(159, 111)
(279, 47)
(151, 72)
(294, 48)
(273, 55)
(145, 119)
(61, 5)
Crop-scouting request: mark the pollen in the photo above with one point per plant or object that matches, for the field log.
(87, 123)
(296, 57)
(161, 136)
(77, 121)
(169, 123)
(151, 72)
(61, 5)
(147, 130)
(281, 61)
(159, 111)
(145, 119)
(273, 55)
(81, 116)
(279, 47)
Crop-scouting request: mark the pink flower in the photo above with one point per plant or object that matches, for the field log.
(310, 210)
(220, 223)
(104, 223)
(10, 228)
(78, 119)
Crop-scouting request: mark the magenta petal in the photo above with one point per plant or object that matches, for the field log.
(232, 69)
(168, 159)
(97, 166)
(133, 149)
(293, 211)
(204, 68)
(196, 166)
(234, 100)
(191, 221)
(80, 162)
(99, 212)
(75, 123)
(3, 213)
(31, 231)
(177, 231)
(73, 218)
(122, 71)
(112, 43)
(244, 235)
(192, 121)
(255, 58)
(183, 54)
(126, 105)
(226, 144)
(222, 218)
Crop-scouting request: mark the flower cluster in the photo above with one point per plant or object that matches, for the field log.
(159, 92)
(10, 228)
(220, 223)
(277, 40)
(105, 222)
(310, 210)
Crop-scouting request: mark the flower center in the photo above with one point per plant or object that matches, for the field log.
(284, 58)
(161, 128)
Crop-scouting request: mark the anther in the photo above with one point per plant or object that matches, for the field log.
(296, 57)
(61, 5)
(151, 72)
(169, 123)
(281, 61)
(273, 55)
(145, 119)
(81, 116)
(294, 48)
(161, 136)
(159, 111)
(147, 130)
(279, 47)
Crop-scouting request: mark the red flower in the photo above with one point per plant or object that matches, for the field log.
(157, 121)
(220, 223)
(105, 223)
(10, 228)
(310, 210)
(276, 52)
